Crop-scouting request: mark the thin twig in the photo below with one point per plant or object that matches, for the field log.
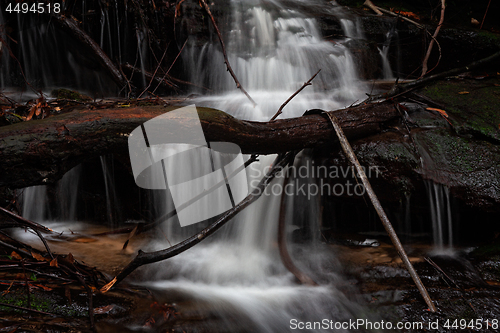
(404, 88)
(154, 73)
(228, 66)
(171, 65)
(380, 211)
(481, 26)
(25, 222)
(395, 14)
(429, 49)
(444, 275)
(308, 83)
(26, 309)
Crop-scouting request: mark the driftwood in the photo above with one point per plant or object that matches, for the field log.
(41, 151)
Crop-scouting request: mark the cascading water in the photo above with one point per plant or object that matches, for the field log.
(273, 51)
(238, 274)
(67, 193)
(386, 66)
(112, 213)
(442, 220)
(34, 203)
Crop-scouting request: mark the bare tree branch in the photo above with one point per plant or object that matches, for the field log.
(238, 84)
(431, 43)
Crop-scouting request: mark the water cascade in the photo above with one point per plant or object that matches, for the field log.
(386, 66)
(67, 195)
(238, 274)
(273, 50)
(34, 203)
(442, 220)
(112, 213)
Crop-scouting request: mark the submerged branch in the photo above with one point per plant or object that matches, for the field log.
(285, 256)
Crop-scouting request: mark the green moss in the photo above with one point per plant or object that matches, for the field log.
(70, 94)
(41, 301)
(471, 105)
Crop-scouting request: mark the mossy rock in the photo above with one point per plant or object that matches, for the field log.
(471, 104)
(70, 94)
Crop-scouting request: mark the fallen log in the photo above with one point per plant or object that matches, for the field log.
(41, 151)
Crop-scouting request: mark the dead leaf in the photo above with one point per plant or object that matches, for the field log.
(54, 263)
(32, 112)
(104, 309)
(407, 14)
(37, 256)
(463, 92)
(442, 112)
(16, 256)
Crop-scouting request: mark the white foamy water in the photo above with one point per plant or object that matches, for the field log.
(273, 50)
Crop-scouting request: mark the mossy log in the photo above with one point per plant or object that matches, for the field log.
(41, 151)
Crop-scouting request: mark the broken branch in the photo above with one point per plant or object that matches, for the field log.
(285, 256)
(308, 83)
(380, 211)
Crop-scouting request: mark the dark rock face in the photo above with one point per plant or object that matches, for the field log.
(459, 149)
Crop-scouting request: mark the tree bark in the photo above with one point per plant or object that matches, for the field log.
(41, 151)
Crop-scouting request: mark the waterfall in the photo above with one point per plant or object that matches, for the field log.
(237, 273)
(34, 203)
(67, 195)
(273, 50)
(386, 66)
(441, 217)
(112, 211)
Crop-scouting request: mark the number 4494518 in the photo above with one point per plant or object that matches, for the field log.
(36, 8)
